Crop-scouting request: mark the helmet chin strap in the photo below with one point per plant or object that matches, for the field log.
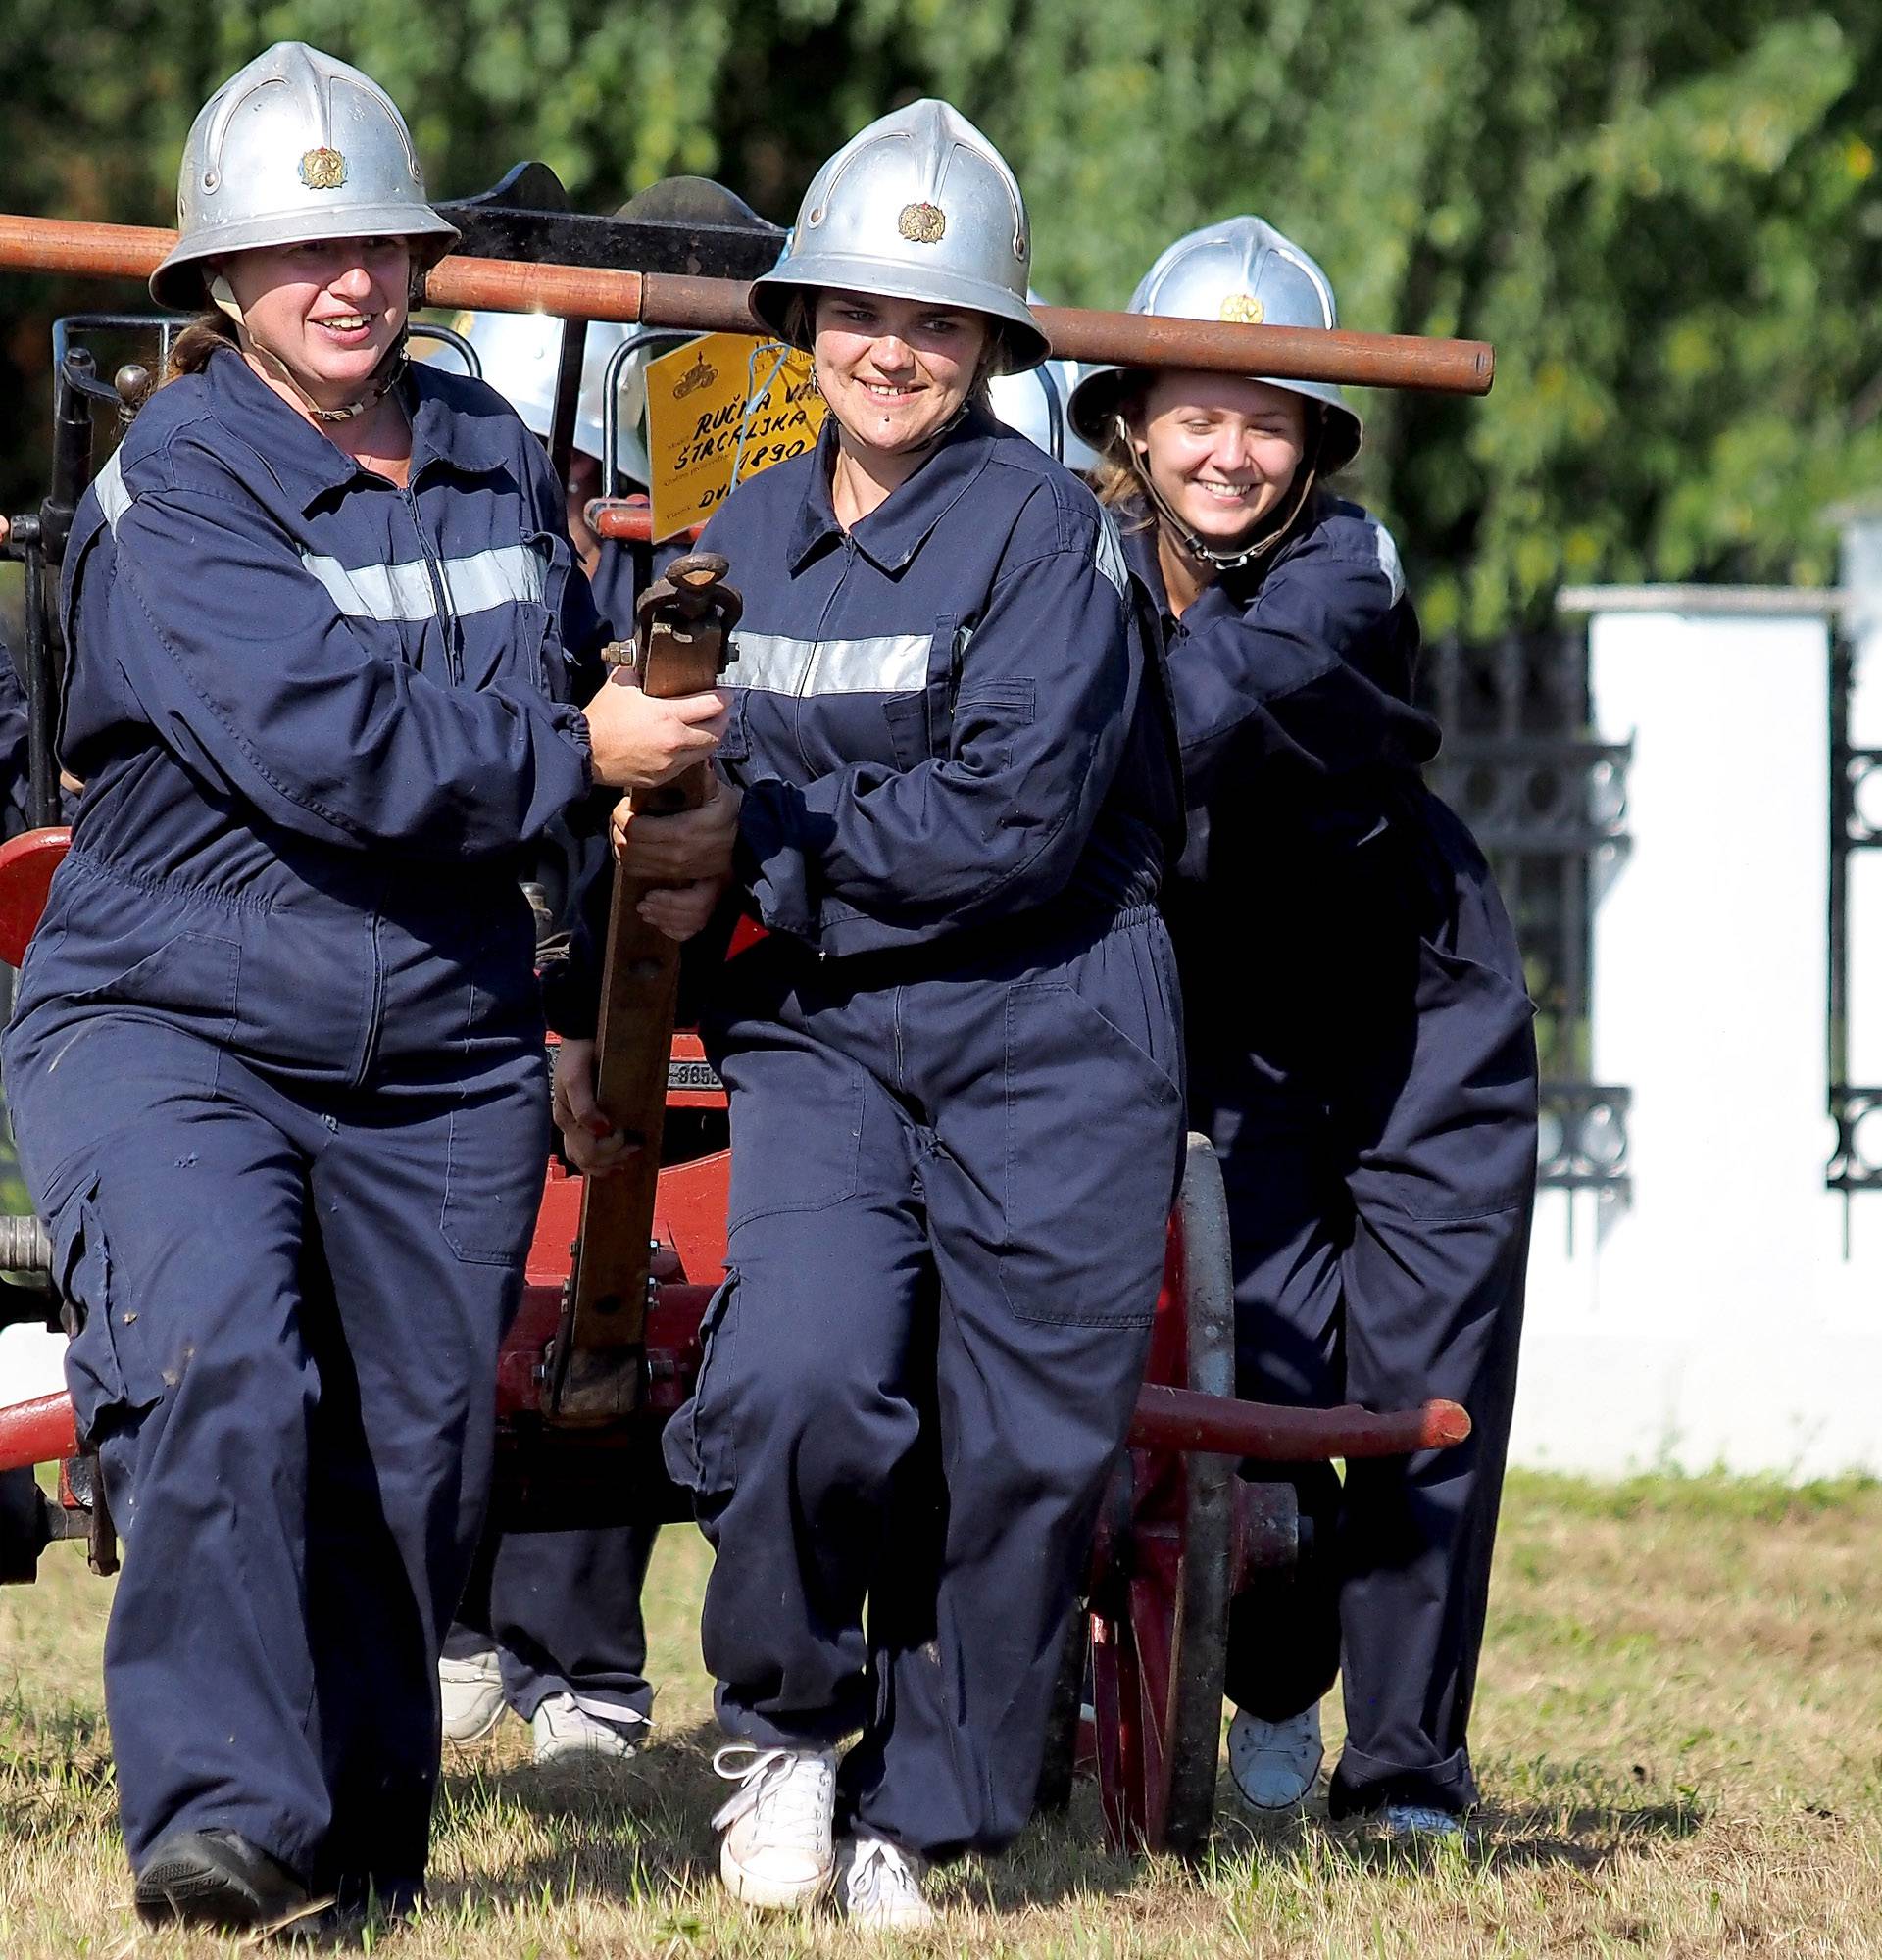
(1274, 528)
(385, 377)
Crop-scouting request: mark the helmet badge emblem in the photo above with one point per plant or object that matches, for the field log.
(1245, 308)
(323, 170)
(922, 224)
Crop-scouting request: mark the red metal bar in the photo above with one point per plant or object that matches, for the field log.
(666, 299)
(27, 865)
(40, 1431)
(1179, 1419)
(626, 521)
(629, 520)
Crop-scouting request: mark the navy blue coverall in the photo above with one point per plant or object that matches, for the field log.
(16, 776)
(278, 1075)
(1360, 1052)
(563, 1607)
(955, 1117)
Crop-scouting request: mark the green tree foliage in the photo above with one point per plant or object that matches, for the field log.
(1668, 216)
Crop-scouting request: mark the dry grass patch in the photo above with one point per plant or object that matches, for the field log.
(1679, 1732)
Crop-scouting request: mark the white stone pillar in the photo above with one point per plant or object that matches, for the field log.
(1725, 1326)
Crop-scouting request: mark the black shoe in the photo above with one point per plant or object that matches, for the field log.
(215, 1878)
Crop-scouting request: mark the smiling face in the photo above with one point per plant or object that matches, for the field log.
(331, 309)
(1221, 452)
(895, 372)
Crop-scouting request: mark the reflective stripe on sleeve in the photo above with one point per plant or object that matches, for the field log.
(1389, 560)
(1110, 550)
(113, 500)
(510, 574)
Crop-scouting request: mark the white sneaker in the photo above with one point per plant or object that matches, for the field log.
(1420, 1820)
(879, 1886)
(1274, 1763)
(777, 1849)
(563, 1731)
(470, 1690)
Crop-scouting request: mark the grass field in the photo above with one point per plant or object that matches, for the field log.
(1679, 1734)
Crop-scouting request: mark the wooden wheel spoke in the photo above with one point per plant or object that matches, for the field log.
(1153, 1632)
(1115, 1703)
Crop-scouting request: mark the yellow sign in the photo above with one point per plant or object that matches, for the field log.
(720, 410)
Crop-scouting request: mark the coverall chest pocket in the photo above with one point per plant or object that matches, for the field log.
(921, 721)
(507, 604)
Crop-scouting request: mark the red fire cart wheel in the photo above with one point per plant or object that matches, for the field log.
(1151, 1649)
(1199, 1640)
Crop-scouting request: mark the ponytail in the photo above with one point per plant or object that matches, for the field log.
(190, 351)
(1119, 479)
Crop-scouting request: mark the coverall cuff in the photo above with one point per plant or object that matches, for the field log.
(1364, 1783)
(767, 863)
(627, 1709)
(576, 728)
(806, 1729)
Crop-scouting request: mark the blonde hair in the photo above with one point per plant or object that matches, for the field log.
(1118, 479)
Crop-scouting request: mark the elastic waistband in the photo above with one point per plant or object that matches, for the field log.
(424, 891)
(1062, 927)
(81, 863)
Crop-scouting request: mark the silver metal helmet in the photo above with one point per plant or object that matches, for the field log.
(919, 206)
(1034, 404)
(294, 147)
(1240, 270)
(519, 353)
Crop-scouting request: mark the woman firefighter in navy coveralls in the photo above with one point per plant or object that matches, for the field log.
(277, 1062)
(1359, 1035)
(953, 1066)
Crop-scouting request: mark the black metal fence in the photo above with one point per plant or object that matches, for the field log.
(1547, 801)
(1855, 825)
